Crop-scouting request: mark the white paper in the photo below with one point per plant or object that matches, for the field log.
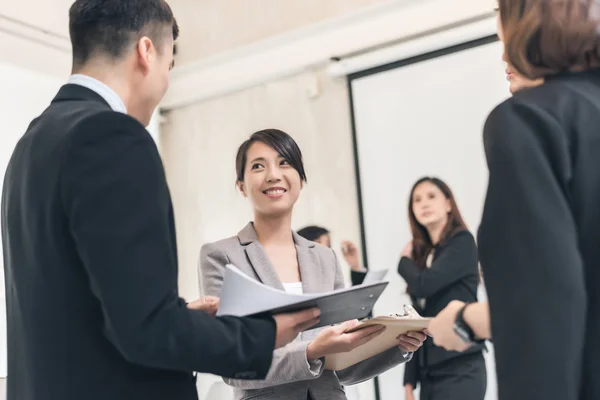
(374, 276)
(243, 296)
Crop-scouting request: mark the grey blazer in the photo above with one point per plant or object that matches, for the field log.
(291, 376)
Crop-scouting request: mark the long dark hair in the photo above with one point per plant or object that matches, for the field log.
(422, 244)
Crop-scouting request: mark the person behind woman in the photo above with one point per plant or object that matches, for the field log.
(440, 265)
(349, 250)
(270, 173)
(538, 236)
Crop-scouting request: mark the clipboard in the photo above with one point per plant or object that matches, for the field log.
(243, 296)
(395, 326)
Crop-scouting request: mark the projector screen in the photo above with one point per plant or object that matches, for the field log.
(421, 117)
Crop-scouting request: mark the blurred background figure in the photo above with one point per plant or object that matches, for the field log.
(349, 250)
(440, 265)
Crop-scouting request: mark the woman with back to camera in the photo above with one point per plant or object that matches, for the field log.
(538, 236)
(440, 265)
(270, 173)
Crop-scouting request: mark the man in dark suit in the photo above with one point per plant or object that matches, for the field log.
(88, 233)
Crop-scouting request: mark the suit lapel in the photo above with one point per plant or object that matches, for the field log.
(258, 258)
(310, 265)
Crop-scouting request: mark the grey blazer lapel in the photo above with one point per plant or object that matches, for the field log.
(258, 258)
(310, 265)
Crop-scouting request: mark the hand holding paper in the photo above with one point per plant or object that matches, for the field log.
(337, 340)
(289, 325)
(243, 296)
(411, 341)
(402, 330)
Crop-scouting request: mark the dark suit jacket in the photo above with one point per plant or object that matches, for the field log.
(357, 277)
(453, 275)
(538, 239)
(91, 268)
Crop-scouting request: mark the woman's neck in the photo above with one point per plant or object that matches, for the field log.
(435, 231)
(274, 230)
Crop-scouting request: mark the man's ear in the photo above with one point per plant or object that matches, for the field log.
(145, 53)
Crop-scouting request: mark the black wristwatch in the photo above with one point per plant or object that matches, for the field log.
(462, 329)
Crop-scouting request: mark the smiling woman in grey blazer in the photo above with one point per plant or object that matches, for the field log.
(270, 173)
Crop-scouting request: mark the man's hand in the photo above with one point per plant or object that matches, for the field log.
(208, 304)
(441, 328)
(291, 324)
(411, 341)
(350, 252)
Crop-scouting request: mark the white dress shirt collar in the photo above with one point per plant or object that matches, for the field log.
(110, 96)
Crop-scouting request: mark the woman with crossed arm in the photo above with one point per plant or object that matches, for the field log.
(440, 265)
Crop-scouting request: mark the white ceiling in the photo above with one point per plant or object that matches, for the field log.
(48, 15)
(34, 34)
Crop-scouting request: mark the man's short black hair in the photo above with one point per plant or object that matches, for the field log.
(110, 27)
(312, 232)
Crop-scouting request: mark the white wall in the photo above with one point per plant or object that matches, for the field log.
(50, 15)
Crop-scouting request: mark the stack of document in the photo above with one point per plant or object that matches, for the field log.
(395, 326)
(243, 296)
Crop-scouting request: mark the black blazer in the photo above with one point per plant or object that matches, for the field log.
(539, 239)
(453, 275)
(357, 277)
(91, 268)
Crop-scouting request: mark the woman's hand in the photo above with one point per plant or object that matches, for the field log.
(411, 341)
(408, 250)
(408, 392)
(335, 339)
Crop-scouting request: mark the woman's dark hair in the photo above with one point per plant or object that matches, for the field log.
(279, 141)
(546, 37)
(422, 244)
(312, 232)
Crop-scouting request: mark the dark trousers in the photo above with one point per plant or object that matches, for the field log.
(462, 378)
